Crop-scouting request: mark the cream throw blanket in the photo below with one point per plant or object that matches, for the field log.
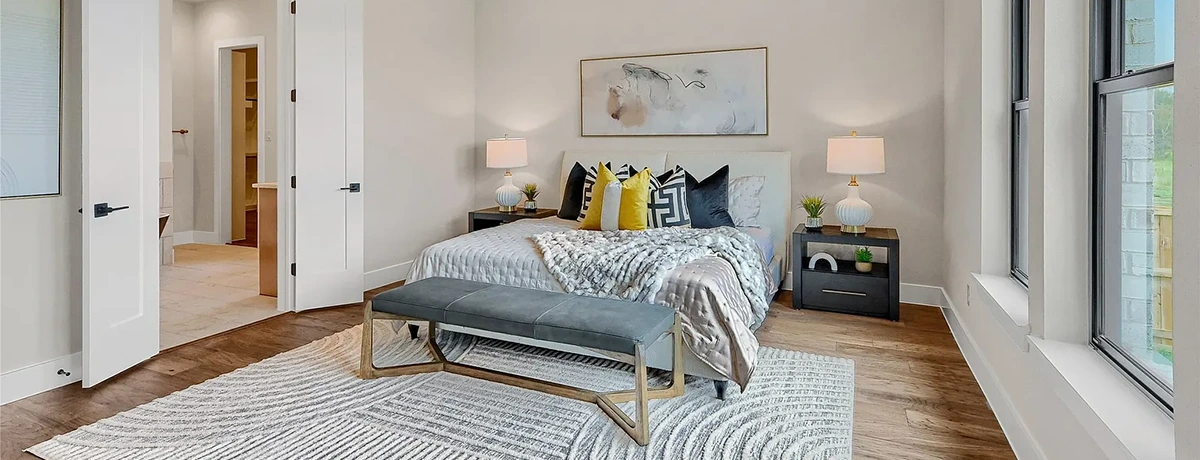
(632, 265)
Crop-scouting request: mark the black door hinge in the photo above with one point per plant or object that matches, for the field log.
(293, 95)
(293, 269)
(293, 181)
(293, 7)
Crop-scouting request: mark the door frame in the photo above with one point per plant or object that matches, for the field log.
(285, 152)
(223, 135)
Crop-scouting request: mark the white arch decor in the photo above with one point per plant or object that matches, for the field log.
(812, 263)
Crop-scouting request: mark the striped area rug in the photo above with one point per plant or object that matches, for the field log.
(308, 404)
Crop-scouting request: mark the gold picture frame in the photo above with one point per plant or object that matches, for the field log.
(633, 94)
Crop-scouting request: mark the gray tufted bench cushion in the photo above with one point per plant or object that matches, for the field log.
(604, 324)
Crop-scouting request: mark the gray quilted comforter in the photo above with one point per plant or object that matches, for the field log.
(718, 315)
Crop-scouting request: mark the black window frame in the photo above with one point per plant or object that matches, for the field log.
(1109, 77)
(1020, 104)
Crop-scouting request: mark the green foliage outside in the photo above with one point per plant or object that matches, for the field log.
(1166, 353)
(1164, 145)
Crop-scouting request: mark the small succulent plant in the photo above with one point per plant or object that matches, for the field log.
(531, 191)
(863, 255)
(813, 205)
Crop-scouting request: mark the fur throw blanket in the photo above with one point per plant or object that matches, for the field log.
(632, 265)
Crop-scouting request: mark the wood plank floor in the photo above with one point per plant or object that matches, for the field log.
(915, 397)
(251, 240)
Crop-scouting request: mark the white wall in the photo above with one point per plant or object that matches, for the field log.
(41, 240)
(212, 22)
(1187, 225)
(977, 139)
(834, 66)
(183, 147)
(419, 123)
(976, 35)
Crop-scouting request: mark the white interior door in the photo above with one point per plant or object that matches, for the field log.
(120, 171)
(329, 153)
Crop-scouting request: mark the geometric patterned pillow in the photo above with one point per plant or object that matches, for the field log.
(590, 180)
(668, 200)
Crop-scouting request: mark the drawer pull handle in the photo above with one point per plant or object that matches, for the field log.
(835, 291)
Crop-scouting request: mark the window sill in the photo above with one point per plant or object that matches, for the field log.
(1009, 303)
(1124, 422)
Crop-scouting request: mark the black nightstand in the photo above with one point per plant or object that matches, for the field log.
(847, 291)
(492, 217)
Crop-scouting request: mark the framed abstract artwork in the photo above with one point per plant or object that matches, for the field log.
(705, 93)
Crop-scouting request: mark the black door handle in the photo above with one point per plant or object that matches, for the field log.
(354, 187)
(103, 209)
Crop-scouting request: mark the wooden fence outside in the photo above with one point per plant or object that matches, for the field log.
(1164, 320)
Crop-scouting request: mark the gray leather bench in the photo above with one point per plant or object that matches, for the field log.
(613, 327)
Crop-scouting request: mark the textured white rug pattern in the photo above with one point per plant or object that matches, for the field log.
(307, 403)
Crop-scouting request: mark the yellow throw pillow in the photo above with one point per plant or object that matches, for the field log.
(633, 205)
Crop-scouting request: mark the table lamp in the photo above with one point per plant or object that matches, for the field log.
(505, 154)
(857, 156)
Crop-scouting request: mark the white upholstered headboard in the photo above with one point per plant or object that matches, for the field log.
(775, 166)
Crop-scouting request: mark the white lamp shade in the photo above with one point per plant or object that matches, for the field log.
(855, 155)
(506, 153)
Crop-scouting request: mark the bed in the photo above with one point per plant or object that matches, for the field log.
(506, 255)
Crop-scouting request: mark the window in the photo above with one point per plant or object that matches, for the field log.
(29, 97)
(1133, 156)
(1020, 142)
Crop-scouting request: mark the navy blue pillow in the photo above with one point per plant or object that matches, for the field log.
(708, 200)
(572, 200)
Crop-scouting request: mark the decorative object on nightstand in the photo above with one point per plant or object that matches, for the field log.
(875, 292)
(494, 217)
(531, 193)
(812, 261)
(862, 259)
(814, 206)
(507, 153)
(857, 156)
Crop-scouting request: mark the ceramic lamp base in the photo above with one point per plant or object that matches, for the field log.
(853, 212)
(508, 195)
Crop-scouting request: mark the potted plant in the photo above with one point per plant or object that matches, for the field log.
(814, 206)
(862, 259)
(531, 193)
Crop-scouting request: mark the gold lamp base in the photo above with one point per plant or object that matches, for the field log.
(855, 229)
(507, 208)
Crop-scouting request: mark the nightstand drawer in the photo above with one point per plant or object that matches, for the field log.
(846, 292)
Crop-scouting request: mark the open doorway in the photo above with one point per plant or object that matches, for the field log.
(243, 177)
(221, 273)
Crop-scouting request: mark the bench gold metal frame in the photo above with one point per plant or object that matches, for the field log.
(641, 394)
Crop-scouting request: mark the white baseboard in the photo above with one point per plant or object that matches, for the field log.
(1015, 429)
(918, 294)
(37, 378)
(386, 275)
(196, 236)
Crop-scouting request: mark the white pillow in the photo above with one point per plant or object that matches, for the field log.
(610, 215)
(744, 200)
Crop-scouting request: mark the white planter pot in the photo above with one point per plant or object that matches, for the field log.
(812, 222)
(863, 267)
